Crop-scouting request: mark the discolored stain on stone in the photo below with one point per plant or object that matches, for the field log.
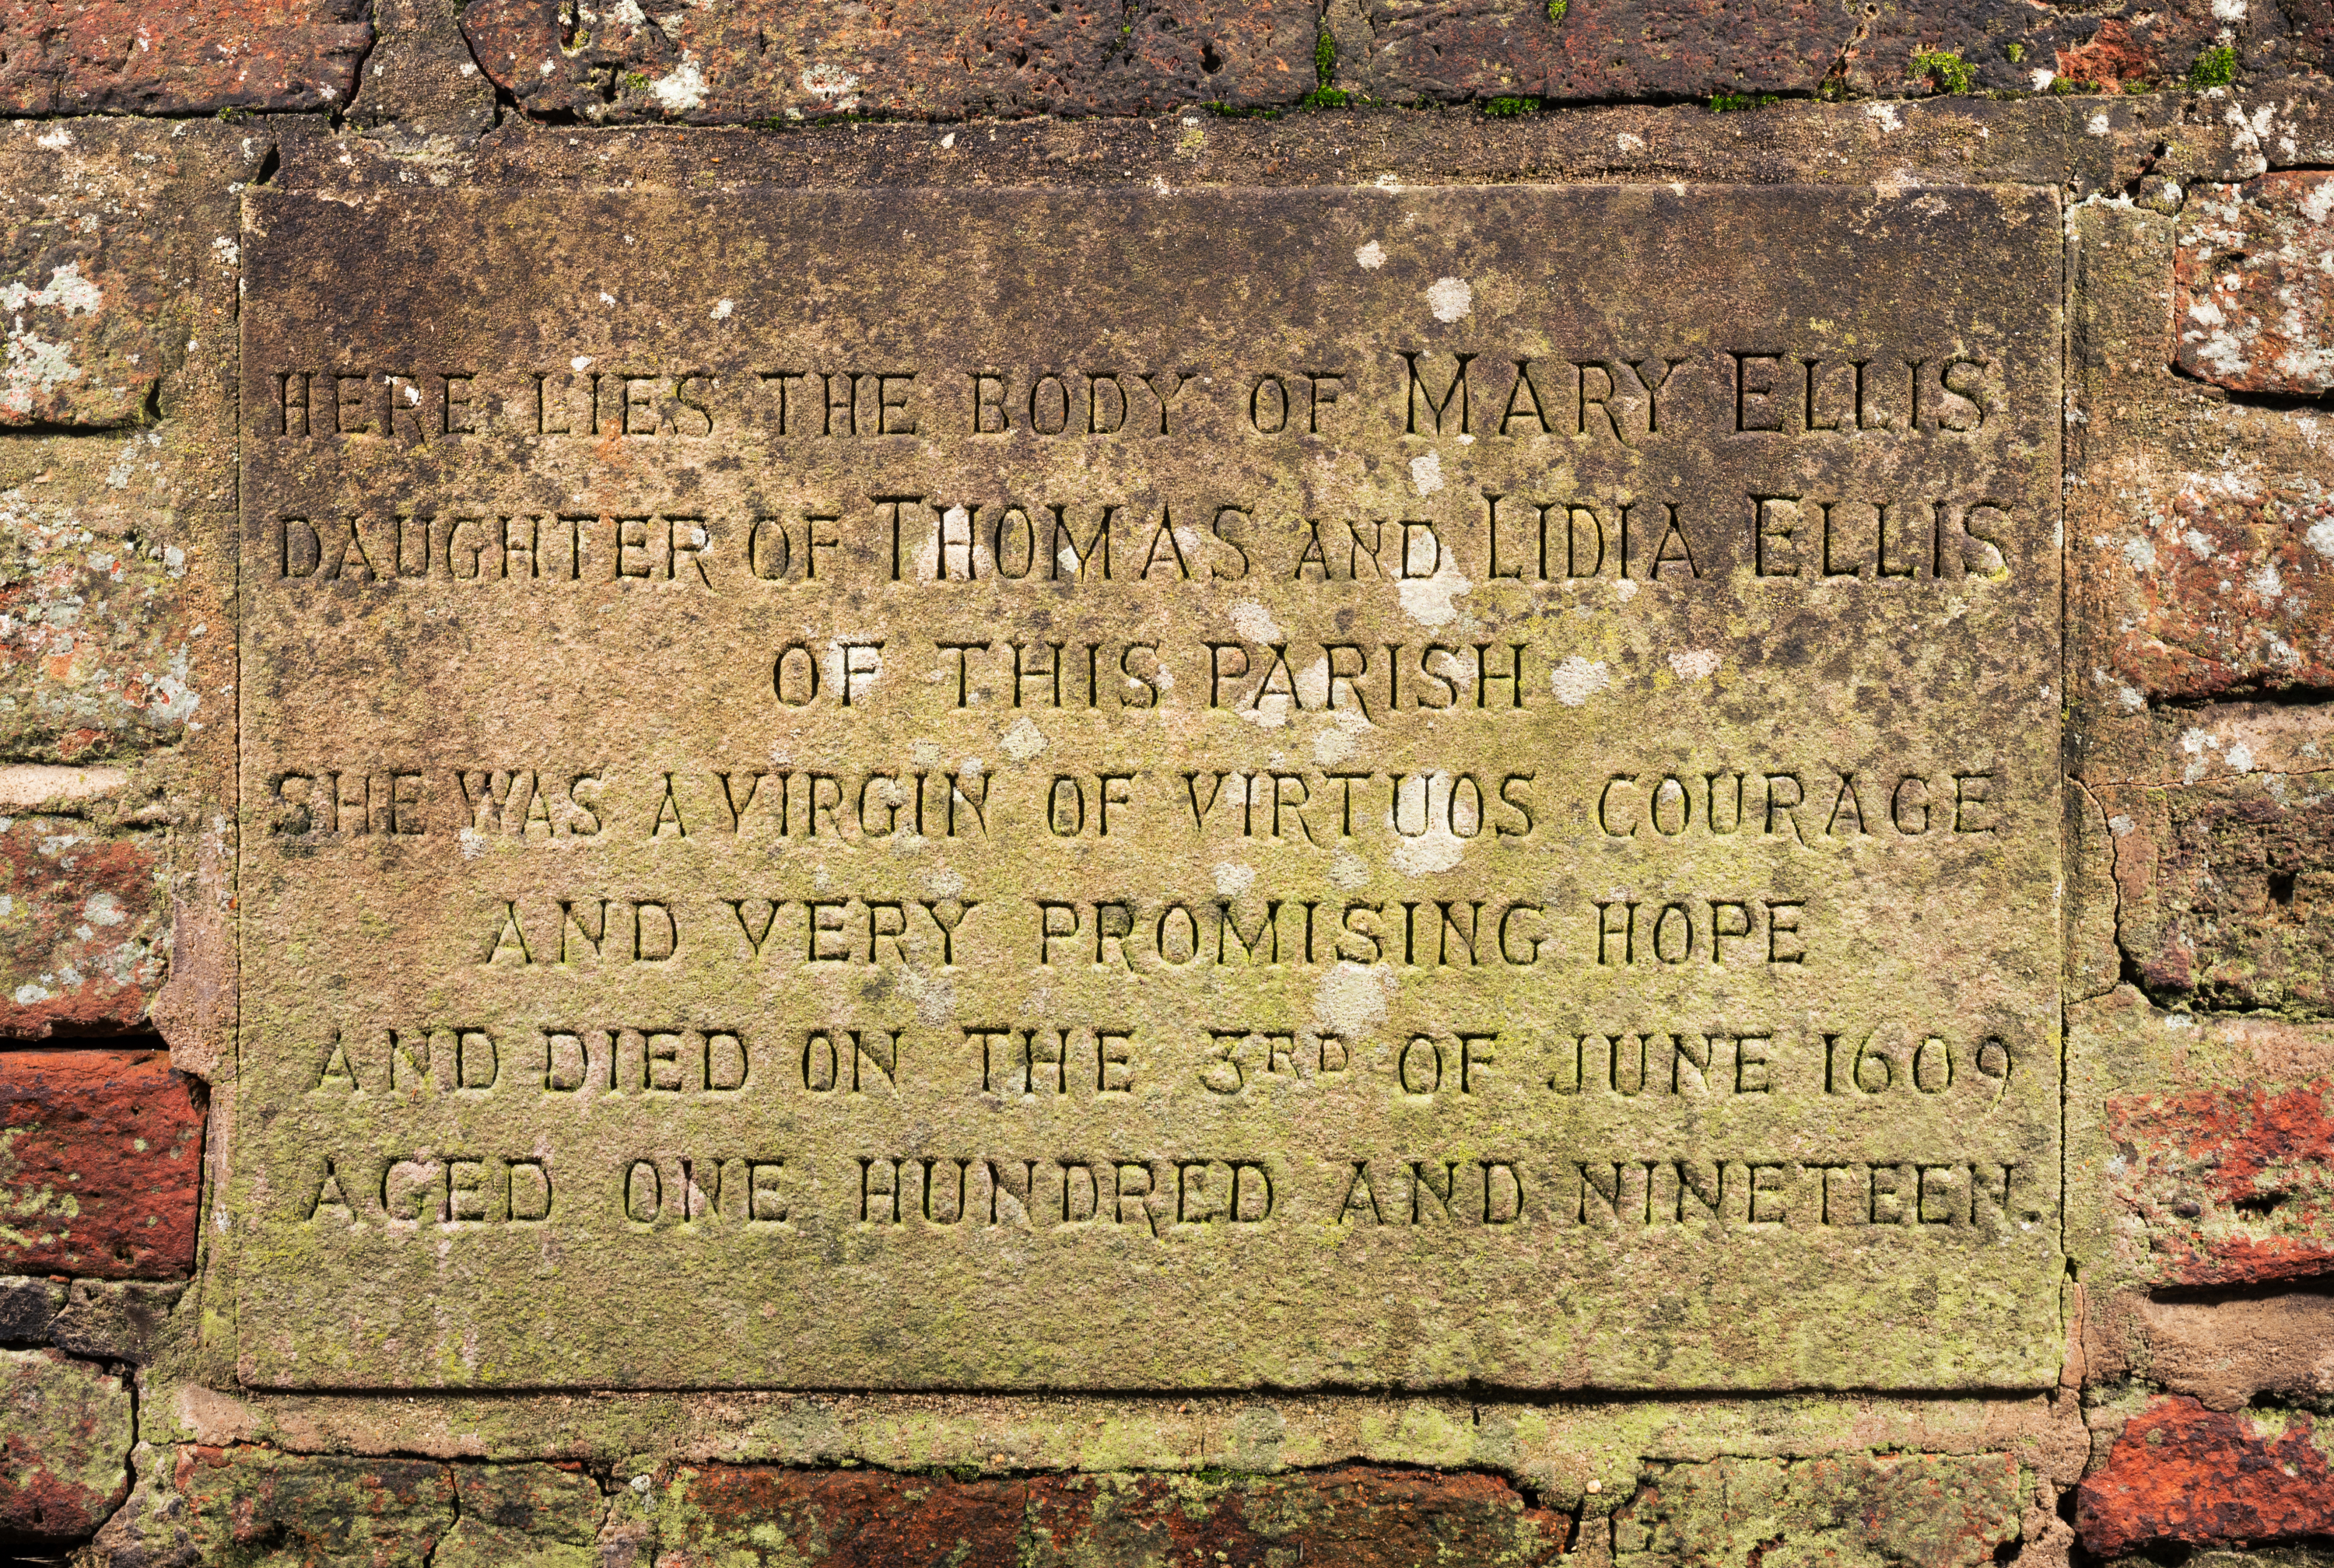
(1354, 1516)
(2255, 285)
(2178, 1472)
(748, 60)
(99, 1164)
(84, 917)
(523, 1517)
(245, 1504)
(64, 1445)
(121, 57)
(1940, 1511)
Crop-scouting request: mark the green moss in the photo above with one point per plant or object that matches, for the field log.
(2215, 67)
(1233, 111)
(2013, 52)
(1325, 57)
(636, 81)
(1331, 97)
(1501, 108)
(1734, 102)
(1944, 70)
(1556, 10)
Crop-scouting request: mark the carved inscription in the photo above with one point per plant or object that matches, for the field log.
(1334, 787)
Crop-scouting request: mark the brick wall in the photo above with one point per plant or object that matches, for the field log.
(2192, 140)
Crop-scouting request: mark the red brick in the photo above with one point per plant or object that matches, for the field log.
(2253, 280)
(101, 1156)
(64, 1445)
(2233, 1184)
(189, 57)
(745, 59)
(85, 929)
(2181, 1473)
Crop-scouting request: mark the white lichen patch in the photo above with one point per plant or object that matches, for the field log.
(1427, 473)
(681, 89)
(1695, 663)
(1023, 741)
(1429, 601)
(1351, 999)
(1233, 878)
(1449, 299)
(1577, 679)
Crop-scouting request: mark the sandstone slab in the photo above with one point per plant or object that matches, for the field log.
(1362, 806)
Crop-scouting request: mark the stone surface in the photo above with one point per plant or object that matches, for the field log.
(1248, 1121)
(64, 1445)
(1934, 1510)
(524, 1516)
(121, 57)
(2181, 1473)
(117, 257)
(2255, 296)
(99, 1169)
(83, 929)
(753, 60)
(420, 77)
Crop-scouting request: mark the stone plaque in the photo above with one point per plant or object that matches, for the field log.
(1122, 790)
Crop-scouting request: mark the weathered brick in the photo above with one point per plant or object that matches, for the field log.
(64, 1445)
(1356, 1515)
(2178, 1472)
(98, 652)
(1940, 1511)
(2225, 1353)
(191, 57)
(2200, 533)
(84, 927)
(100, 1157)
(2233, 1184)
(2228, 890)
(2254, 299)
(733, 60)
